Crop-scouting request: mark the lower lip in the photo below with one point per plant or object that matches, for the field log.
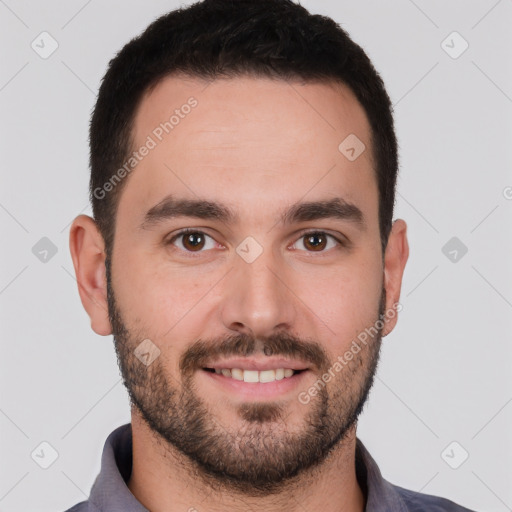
(257, 390)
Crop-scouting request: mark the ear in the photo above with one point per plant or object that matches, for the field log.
(395, 258)
(88, 253)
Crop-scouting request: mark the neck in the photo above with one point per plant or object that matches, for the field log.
(163, 479)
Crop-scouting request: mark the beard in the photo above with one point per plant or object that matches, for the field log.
(260, 455)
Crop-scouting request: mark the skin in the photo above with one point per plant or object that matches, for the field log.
(257, 146)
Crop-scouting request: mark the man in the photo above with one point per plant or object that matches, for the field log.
(243, 255)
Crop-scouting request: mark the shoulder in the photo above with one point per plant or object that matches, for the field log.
(84, 506)
(418, 502)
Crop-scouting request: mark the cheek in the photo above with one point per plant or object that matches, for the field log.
(163, 302)
(143, 293)
(346, 301)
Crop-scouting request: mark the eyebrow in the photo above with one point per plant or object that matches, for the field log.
(336, 208)
(171, 207)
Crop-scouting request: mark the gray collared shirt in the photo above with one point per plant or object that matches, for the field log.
(110, 493)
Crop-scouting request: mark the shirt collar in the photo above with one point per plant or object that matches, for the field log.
(111, 493)
(381, 496)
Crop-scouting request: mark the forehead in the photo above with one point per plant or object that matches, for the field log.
(243, 137)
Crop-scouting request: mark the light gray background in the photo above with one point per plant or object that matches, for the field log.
(445, 372)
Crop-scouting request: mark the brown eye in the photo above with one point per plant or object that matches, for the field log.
(315, 241)
(318, 241)
(192, 241)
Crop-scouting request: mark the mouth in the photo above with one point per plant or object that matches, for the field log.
(255, 379)
(254, 376)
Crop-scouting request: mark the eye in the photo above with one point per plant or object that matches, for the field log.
(319, 241)
(192, 240)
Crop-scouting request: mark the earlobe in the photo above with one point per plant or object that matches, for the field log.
(395, 259)
(88, 253)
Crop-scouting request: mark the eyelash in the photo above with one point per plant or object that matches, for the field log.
(188, 231)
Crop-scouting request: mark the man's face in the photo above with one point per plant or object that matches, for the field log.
(259, 284)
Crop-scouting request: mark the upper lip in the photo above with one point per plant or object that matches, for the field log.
(265, 363)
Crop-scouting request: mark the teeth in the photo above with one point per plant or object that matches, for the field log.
(251, 376)
(267, 376)
(255, 375)
(237, 374)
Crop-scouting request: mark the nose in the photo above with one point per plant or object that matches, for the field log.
(257, 297)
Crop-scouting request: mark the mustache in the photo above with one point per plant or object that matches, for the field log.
(202, 352)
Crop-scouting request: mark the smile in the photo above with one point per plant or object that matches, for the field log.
(255, 375)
